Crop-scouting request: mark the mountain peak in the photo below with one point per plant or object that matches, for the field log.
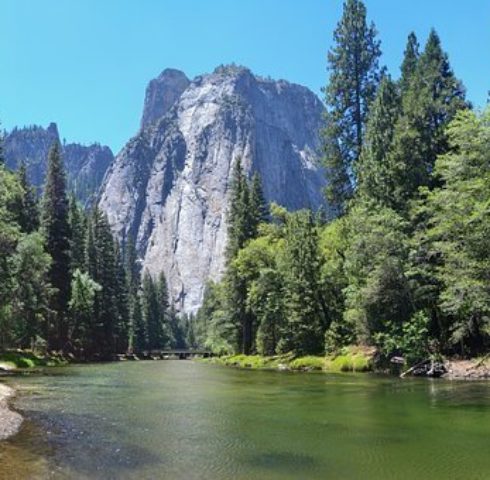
(162, 93)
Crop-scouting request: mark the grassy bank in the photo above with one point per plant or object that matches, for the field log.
(350, 359)
(15, 359)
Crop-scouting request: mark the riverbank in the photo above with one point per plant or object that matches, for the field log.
(350, 359)
(13, 360)
(473, 369)
(10, 421)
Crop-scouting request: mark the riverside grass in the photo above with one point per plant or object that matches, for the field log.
(349, 359)
(27, 359)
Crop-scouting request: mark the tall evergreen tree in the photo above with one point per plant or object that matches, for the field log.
(139, 327)
(151, 312)
(78, 230)
(410, 61)
(238, 212)
(56, 230)
(239, 232)
(259, 211)
(431, 101)
(134, 306)
(122, 296)
(354, 77)
(107, 278)
(377, 172)
(28, 211)
(164, 310)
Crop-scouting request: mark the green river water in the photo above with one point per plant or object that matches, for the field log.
(189, 420)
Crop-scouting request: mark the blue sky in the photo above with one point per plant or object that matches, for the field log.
(85, 63)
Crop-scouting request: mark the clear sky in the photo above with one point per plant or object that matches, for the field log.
(85, 63)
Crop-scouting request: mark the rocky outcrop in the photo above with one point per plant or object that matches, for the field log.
(162, 93)
(85, 165)
(168, 187)
(31, 146)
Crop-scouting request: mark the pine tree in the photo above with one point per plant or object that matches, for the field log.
(239, 232)
(431, 101)
(140, 330)
(377, 172)
(354, 77)
(28, 212)
(107, 278)
(410, 61)
(122, 294)
(56, 229)
(151, 312)
(103, 266)
(268, 299)
(239, 211)
(133, 284)
(78, 229)
(164, 306)
(259, 211)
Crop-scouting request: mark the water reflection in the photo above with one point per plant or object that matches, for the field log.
(179, 419)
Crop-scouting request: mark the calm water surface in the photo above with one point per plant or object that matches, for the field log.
(186, 420)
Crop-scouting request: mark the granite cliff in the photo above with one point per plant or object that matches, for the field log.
(85, 165)
(168, 187)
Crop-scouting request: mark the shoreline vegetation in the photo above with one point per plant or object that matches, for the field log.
(355, 360)
(350, 359)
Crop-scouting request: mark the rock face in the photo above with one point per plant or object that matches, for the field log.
(168, 188)
(85, 165)
(162, 93)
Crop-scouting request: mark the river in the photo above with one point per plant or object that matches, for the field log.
(189, 420)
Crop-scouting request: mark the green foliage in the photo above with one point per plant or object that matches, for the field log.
(28, 217)
(82, 307)
(214, 330)
(410, 61)
(410, 340)
(31, 291)
(304, 302)
(431, 99)
(28, 359)
(308, 363)
(57, 234)
(375, 261)
(377, 173)
(354, 77)
(459, 230)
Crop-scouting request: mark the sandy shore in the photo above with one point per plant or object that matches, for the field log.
(10, 421)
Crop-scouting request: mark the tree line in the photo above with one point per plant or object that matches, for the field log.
(66, 284)
(403, 260)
